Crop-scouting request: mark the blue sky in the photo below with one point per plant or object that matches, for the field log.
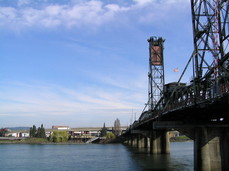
(85, 62)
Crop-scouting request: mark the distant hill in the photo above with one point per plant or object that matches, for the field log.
(19, 128)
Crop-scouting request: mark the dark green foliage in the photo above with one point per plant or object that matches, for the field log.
(42, 132)
(32, 131)
(103, 131)
(39, 133)
(3, 132)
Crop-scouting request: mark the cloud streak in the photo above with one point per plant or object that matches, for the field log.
(85, 13)
(31, 100)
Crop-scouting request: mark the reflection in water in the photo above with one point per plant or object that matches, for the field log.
(93, 157)
(180, 158)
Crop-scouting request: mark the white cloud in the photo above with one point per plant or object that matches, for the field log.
(91, 13)
(8, 13)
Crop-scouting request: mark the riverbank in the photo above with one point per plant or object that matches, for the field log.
(45, 141)
(99, 141)
(35, 141)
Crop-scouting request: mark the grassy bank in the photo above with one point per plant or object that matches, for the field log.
(38, 141)
(34, 140)
(180, 139)
(25, 141)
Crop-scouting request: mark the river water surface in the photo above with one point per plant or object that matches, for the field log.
(93, 157)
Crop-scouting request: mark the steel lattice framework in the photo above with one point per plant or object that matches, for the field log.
(211, 42)
(156, 71)
(210, 61)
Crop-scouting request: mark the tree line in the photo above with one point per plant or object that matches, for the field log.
(62, 136)
(38, 133)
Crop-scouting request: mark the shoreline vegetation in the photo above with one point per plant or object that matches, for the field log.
(182, 138)
(101, 141)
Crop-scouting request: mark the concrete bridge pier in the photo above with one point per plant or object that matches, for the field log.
(140, 141)
(127, 140)
(147, 142)
(130, 140)
(211, 149)
(135, 141)
(159, 142)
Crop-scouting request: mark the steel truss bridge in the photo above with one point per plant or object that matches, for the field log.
(199, 109)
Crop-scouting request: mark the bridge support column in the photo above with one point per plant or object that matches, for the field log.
(129, 140)
(159, 142)
(135, 141)
(126, 140)
(211, 150)
(153, 143)
(132, 141)
(140, 141)
(165, 142)
(146, 142)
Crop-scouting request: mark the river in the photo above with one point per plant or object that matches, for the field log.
(93, 157)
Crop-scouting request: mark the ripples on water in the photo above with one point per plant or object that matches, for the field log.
(93, 157)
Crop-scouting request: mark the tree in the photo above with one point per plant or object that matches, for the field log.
(117, 127)
(33, 131)
(110, 135)
(39, 133)
(59, 136)
(103, 131)
(3, 132)
(42, 133)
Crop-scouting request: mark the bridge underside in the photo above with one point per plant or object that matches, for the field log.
(211, 112)
(207, 111)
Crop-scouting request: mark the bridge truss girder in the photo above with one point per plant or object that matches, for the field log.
(210, 60)
(211, 42)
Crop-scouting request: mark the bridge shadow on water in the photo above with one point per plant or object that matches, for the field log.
(180, 158)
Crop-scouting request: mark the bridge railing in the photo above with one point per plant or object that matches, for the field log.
(205, 91)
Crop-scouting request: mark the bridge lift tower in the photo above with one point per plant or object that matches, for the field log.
(156, 71)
